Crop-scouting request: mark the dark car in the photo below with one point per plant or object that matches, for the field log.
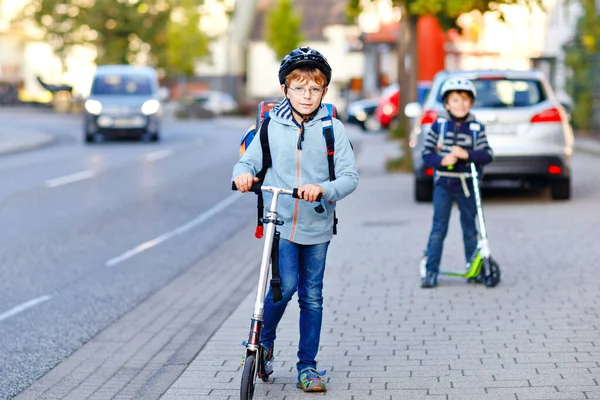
(361, 113)
(124, 101)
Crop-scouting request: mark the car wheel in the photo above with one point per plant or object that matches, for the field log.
(423, 190)
(561, 189)
(150, 137)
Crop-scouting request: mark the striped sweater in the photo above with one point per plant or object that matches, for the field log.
(446, 132)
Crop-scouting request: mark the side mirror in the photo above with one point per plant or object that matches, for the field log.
(412, 110)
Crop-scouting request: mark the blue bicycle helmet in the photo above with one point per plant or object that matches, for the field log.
(303, 57)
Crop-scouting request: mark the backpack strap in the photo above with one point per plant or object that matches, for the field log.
(267, 161)
(330, 142)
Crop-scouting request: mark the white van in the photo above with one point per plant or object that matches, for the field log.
(124, 101)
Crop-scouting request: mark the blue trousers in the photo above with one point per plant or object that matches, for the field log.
(443, 199)
(302, 268)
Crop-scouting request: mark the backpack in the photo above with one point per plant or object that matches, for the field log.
(262, 122)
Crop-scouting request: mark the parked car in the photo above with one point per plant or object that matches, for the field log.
(216, 102)
(124, 101)
(527, 128)
(361, 113)
(387, 108)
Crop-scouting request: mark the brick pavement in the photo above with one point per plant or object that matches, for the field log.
(385, 338)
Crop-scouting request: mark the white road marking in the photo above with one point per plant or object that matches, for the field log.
(158, 155)
(23, 307)
(177, 231)
(63, 180)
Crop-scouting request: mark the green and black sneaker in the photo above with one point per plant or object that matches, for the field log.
(311, 381)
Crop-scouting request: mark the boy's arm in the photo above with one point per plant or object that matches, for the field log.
(346, 174)
(481, 153)
(430, 155)
(251, 160)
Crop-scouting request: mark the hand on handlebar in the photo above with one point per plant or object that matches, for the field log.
(449, 159)
(311, 192)
(244, 181)
(459, 152)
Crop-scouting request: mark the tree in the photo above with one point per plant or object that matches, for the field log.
(282, 30)
(184, 43)
(582, 56)
(447, 11)
(122, 31)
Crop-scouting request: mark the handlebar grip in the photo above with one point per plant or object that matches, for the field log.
(256, 187)
(295, 195)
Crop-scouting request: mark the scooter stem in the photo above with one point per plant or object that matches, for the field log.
(259, 304)
(475, 176)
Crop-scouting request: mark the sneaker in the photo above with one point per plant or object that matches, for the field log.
(430, 280)
(310, 381)
(268, 360)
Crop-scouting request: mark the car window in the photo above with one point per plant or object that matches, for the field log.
(506, 93)
(121, 85)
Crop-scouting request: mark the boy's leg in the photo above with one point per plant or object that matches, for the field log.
(442, 206)
(468, 212)
(288, 269)
(310, 298)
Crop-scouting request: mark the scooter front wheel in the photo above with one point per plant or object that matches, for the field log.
(248, 378)
(492, 271)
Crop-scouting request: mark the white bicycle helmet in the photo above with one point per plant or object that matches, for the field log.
(458, 84)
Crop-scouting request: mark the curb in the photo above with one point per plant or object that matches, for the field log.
(14, 142)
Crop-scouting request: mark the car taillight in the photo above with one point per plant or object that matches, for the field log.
(554, 170)
(428, 117)
(429, 171)
(550, 115)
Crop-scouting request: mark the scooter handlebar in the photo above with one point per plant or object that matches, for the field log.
(257, 188)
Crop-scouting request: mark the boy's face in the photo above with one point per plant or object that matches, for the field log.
(304, 94)
(459, 104)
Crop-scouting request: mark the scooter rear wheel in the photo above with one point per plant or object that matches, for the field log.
(248, 378)
(492, 271)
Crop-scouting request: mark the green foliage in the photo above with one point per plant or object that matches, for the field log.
(184, 42)
(122, 30)
(282, 32)
(582, 57)
(446, 10)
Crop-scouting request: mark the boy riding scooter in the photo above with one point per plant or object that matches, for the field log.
(454, 141)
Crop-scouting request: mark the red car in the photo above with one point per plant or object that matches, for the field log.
(387, 109)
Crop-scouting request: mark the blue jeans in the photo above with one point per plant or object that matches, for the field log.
(443, 200)
(301, 268)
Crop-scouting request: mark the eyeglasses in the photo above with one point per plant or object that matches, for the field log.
(314, 91)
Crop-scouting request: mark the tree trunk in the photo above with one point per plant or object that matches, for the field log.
(408, 65)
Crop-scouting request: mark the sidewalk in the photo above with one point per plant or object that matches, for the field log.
(587, 144)
(384, 338)
(12, 141)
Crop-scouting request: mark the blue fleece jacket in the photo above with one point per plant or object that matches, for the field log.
(293, 167)
(446, 132)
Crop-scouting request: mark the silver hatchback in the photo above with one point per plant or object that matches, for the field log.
(527, 128)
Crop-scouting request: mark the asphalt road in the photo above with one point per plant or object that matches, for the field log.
(89, 231)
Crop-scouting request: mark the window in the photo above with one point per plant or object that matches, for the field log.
(122, 85)
(506, 93)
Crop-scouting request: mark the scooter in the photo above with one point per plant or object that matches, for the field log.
(252, 363)
(482, 268)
